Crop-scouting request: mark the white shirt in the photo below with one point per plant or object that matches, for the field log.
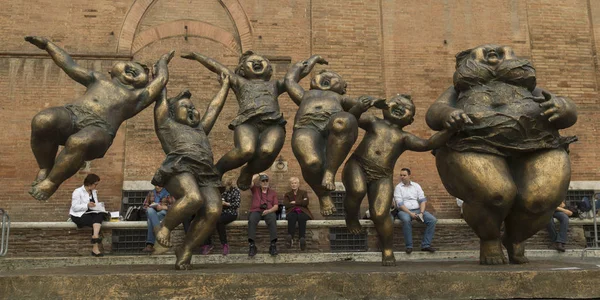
(410, 195)
(80, 200)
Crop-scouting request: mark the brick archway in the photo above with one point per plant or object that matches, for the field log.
(185, 28)
(137, 10)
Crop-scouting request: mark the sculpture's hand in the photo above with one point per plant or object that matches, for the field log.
(168, 56)
(224, 79)
(456, 120)
(365, 102)
(556, 107)
(39, 42)
(380, 103)
(319, 60)
(191, 56)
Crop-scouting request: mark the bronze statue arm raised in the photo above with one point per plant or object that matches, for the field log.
(154, 88)
(443, 113)
(161, 109)
(213, 66)
(561, 111)
(216, 105)
(63, 60)
(299, 71)
(364, 103)
(418, 144)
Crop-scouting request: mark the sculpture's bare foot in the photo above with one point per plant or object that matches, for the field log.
(327, 206)
(353, 225)
(328, 181)
(490, 253)
(163, 237)
(387, 258)
(159, 249)
(43, 190)
(516, 252)
(41, 175)
(244, 182)
(184, 259)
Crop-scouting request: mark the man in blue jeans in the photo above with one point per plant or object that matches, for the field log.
(410, 201)
(562, 215)
(157, 204)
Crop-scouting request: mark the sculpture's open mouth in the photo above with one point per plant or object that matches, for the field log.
(257, 67)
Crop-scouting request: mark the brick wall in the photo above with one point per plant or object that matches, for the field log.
(380, 47)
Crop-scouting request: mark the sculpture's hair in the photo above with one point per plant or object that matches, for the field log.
(91, 179)
(171, 101)
(462, 56)
(244, 58)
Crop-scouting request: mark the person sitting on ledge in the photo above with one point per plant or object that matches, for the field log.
(264, 205)
(562, 215)
(87, 212)
(296, 204)
(157, 205)
(230, 199)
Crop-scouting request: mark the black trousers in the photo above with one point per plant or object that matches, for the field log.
(299, 218)
(224, 219)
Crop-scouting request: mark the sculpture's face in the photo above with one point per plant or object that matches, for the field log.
(492, 54)
(257, 66)
(130, 73)
(401, 111)
(186, 113)
(329, 81)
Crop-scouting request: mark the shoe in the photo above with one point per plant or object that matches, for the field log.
(428, 249)
(302, 244)
(273, 249)
(206, 249)
(408, 250)
(98, 255)
(149, 248)
(288, 241)
(252, 251)
(225, 249)
(560, 247)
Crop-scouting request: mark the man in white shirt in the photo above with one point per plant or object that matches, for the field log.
(411, 202)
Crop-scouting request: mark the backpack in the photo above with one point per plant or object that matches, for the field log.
(584, 205)
(134, 213)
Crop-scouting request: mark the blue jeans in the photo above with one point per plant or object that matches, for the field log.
(430, 221)
(561, 237)
(154, 218)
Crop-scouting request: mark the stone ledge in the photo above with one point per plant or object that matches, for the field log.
(240, 223)
(25, 263)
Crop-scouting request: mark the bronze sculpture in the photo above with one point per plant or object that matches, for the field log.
(510, 164)
(370, 169)
(188, 172)
(87, 127)
(259, 128)
(324, 131)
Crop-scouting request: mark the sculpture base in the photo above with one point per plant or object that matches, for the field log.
(457, 279)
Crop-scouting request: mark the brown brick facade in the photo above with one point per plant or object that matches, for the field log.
(380, 47)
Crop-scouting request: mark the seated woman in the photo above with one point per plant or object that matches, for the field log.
(296, 204)
(86, 212)
(230, 198)
(157, 205)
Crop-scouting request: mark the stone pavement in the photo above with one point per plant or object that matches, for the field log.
(566, 276)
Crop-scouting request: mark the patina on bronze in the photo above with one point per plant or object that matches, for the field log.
(324, 131)
(88, 126)
(510, 165)
(370, 169)
(259, 128)
(188, 172)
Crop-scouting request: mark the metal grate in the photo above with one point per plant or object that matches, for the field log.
(588, 232)
(341, 240)
(133, 198)
(128, 240)
(575, 196)
(338, 201)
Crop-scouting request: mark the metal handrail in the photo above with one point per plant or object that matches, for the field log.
(5, 232)
(595, 227)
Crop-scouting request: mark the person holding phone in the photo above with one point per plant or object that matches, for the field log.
(157, 205)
